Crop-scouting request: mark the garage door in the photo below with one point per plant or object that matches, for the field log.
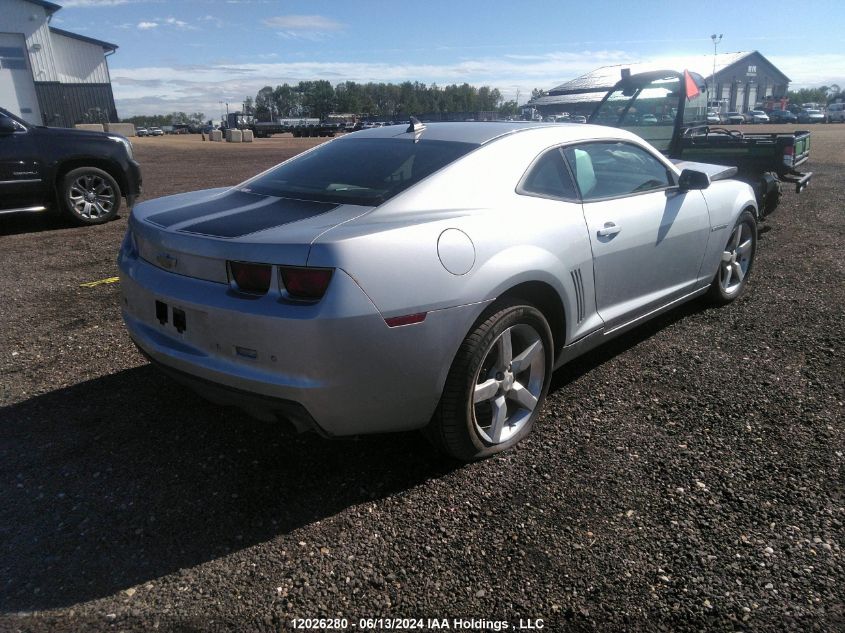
(17, 91)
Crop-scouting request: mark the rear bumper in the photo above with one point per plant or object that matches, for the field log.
(261, 407)
(334, 366)
(800, 180)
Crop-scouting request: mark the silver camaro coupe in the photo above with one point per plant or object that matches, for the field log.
(429, 277)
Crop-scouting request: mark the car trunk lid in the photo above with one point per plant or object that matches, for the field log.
(196, 234)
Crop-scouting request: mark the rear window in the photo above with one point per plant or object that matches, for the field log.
(364, 171)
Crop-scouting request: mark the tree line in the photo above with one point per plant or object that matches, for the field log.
(174, 118)
(319, 98)
(823, 95)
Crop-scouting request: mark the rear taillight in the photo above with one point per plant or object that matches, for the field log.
(306, 284)
(789, 155)
(253, 278)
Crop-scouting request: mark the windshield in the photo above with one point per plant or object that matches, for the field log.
(649, 109)
(364, 171)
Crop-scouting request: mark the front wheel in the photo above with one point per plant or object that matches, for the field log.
(736, 262)
(90, 195)
(497, 384)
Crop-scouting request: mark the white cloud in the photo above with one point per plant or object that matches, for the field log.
(811, 71)
(145, 26)
(212, 19)
(191, 88)
(303, 23)
(156, 89)
(311, 27)
(179, 24)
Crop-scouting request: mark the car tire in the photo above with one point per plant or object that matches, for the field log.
(736, 261)
(489, 404)
(90, 195)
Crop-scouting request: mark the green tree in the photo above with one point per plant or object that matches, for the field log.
(384, 100)
(264, 102)
(537, 93)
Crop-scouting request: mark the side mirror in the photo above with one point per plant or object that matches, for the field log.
(7, 127)
(691, 179)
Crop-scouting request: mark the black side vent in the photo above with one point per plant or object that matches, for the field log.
(578, 283)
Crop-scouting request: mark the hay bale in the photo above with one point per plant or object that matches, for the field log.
(124, 129)
(215, 135)
(91, 127)
(248, 136)
(234, 136)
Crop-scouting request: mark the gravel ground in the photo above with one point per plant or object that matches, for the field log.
(687, 477)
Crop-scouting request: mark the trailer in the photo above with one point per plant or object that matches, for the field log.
(300, 127)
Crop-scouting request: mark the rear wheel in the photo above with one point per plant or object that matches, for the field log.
(90, 195)
(497, 384)
(736, 262)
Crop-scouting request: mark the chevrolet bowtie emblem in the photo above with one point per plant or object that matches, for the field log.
(166, 260)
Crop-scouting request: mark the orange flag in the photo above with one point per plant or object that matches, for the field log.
(692, 87)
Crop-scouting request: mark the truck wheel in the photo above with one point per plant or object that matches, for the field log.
(772, 199)
(90, 195)
(736, 261)
(496, 385)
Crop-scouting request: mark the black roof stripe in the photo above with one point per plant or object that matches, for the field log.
(259, 219)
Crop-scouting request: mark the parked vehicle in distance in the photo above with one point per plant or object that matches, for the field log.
(810, 116)
(836, 113)
(757, 116)
(78, 173)
(156, 131)
(577, 118)
(735, 118)
(713, 118)
(427, 278)
(648, 119)
(782, 116)
(142, 131)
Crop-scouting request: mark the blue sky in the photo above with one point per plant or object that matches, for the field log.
(190, 55)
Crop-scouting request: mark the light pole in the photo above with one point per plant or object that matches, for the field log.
(716, 39)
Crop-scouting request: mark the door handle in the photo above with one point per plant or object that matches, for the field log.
(609, 229)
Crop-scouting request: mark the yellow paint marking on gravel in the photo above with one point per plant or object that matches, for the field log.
(100, 282)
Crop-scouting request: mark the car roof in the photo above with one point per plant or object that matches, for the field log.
(481, 132)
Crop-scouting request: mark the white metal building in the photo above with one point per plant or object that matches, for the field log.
(49, 76)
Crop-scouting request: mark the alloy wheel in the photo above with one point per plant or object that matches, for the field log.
(91, 196)
(509, 383)
(736, 258)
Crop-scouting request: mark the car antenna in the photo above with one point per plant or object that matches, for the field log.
(416, 128)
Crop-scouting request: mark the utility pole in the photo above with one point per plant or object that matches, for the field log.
(716, 39)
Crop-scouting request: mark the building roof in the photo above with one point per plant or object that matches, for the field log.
(604, 78)
(571, 99)
(50, 7)
(106, 45)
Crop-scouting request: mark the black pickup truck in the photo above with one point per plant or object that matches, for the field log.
(78, 173)
(668, 109)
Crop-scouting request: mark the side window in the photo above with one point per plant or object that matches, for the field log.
(612, 169)
(549, 177)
